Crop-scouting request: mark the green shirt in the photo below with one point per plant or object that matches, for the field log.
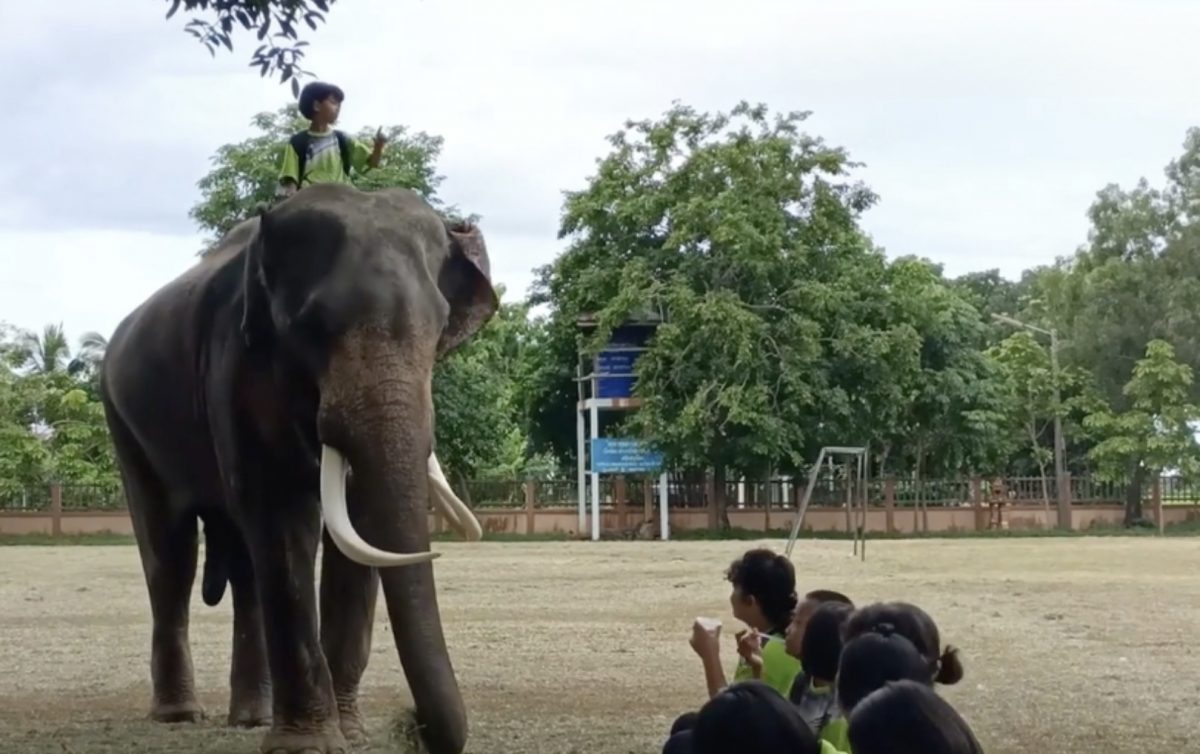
(836, 733)
(828, 748)
(779, 668)
(324, 159)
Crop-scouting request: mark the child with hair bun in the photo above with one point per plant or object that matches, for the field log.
(918, 627)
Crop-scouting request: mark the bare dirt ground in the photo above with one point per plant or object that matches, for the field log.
(1071, 646)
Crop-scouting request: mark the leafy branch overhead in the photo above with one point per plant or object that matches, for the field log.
(276, 19)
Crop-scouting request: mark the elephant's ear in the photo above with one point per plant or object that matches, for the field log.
(465, 281)
(257, 327)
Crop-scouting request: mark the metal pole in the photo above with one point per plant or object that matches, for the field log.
(581, 450)
(1064, 500)
(664, 526)
(595, 417)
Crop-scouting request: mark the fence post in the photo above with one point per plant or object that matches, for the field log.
(530, 506)
(889, 503)
(1157, 498)
(710, 483)
(620, 492)
(767, 508)
(56, 509)
(977, 501)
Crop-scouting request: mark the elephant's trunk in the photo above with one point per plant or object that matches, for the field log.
(376, 409)
(401, 486)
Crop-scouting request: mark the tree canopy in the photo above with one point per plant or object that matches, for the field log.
(213, 23)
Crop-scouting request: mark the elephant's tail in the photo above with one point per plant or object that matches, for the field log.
(216, 564)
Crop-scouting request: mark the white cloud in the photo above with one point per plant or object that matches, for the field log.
(986, 127)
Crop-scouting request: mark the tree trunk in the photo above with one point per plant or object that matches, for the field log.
(465, 488)
(1133, 494)
(883, 457)
(719, 501)
(1033, 442)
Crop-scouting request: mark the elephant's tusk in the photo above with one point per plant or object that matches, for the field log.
(337, 519)
(455, 510)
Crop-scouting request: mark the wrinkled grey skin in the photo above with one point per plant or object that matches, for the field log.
(318, 322)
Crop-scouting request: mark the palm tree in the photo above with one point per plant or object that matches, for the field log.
(92, 346)
(47, 353)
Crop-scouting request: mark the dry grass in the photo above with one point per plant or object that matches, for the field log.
(1071, 646)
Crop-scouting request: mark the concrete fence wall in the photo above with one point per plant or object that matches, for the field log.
(625, 517)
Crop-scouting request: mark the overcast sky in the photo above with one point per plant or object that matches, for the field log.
(986, 127)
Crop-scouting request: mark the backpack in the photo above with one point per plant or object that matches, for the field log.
(299, 142)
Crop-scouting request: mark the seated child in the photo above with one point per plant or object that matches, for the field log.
(747, 717)
(918, 627)
(905, 717)
(874, 658)
(814, 638)
(814, 692)
(763, 597)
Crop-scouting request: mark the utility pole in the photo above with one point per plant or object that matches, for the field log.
(1062, 485)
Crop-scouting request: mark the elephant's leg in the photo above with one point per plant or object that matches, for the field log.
(167, 545)
(169, 564)
(348, 594)
(250, 674)
(283, 542)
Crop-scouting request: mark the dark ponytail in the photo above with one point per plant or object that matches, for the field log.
(913, 623)
(950, 669)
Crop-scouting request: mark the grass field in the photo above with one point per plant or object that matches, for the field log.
(1071, 646)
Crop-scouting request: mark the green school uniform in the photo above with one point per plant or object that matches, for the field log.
(828, 748)
(779, 668)
(324, 163)
(819, 708)
(836, 734)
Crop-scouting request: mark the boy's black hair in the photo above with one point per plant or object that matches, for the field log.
(316, 91)
(905, 717)
(869, 661)
(752, 718)
(821, 646)
(914, 623)
(771, 580)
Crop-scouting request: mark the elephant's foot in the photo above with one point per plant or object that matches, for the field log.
(250, 712)
(354, 728)
(327, 741)
(178, 712)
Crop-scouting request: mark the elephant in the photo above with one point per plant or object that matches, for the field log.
(279, 392)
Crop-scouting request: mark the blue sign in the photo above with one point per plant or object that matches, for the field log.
(620, 363)
(618, 455)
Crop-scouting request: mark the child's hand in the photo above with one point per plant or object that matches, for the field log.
(705, 643)
(749, 646)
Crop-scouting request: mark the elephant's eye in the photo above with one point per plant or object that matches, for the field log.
(312, 322)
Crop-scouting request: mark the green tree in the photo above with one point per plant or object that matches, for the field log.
(1137, 280)
(51, 423)
(47, 352)
(476, 397)
(1158, 429)
(733, 225)
(1028, 387)
(246, 174)
(213, 24)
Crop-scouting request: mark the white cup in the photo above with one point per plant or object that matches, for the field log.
(711, 625)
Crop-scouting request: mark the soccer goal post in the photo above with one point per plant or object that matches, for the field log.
(856, 494)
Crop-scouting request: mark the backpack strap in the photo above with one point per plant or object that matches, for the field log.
(299, 142)
(344, 146)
